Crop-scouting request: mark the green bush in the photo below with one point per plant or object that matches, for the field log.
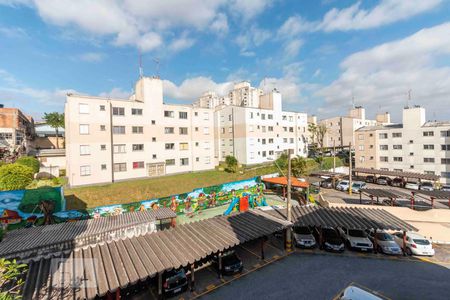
(30, 162)
(32, 198)
(15, 177)
(232, 164)
(62, 172)
(327, 163)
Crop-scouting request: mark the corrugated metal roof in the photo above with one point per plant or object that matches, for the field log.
(435, 194)
(351, 217)
(397, 174)
(45, 240)
(388, 193)
(117, 264)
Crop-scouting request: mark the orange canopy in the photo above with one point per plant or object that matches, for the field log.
(283, 181)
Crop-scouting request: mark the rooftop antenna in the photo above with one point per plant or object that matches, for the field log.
(409, 98)
(353, 100)
(156, 60)
(141, 71)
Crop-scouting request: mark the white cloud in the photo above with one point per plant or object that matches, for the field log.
(251, 39)
(220, 24)
(13, 32)
(381, 76)
(386, 12)
(116, 93)
(295, 25)
(292, 48)
(192, 88)
(317, 73)
(92, 57)
(248, 9)
(181, 43)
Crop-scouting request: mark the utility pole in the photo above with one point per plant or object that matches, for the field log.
(334, 156)
(350, 169)
(288, 210)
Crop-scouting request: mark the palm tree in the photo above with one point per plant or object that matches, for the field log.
(56, 121)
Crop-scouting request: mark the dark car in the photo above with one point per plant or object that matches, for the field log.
(371, 179)
(398, 182)
(231, 264)
(327, 183)
(383, 180)
(331, 240)
(175, 282)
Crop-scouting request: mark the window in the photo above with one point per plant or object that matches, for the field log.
(411, 141)
(102, 147)
(102, 108)
(169, 130)
(136, 111)
(445, 161)
(428, 159)
(397, 147)
(445, 174)
(183, 130)
(230, 129)
(138, 129)
(196, 114)
(120, 167)
(428, 147)
(264, 154)
(205, 116)
(196, 144)
(84, 108)
(396, 134)
(85, 170)
(284, 118)
(270, 117)
(205, 130)
(270, 128)
(361, 147)
(119, 148)
(85, 150)
(251, 128)
(103, 167)
(230, 117)
(429, 172)
(182, 115)
(153, 139)
(184, 161)
(291, 118)
(118, 129)
(398, 158)
(197, 159)
(206, 146)
(263, 141)
(84, 129)
(445, 133)
(383, 158)
(138, 147)
(207, 159)
(184, 146)
(102, 127)
(285, 140)
(362, 159)
(291, 129)
(170, 162)
(168, 114)
(384, 147)
(263, 128)
(360, 136)
(284, 128)
(252, 155)
(138, 165)
(118, 111)
(291, 140)
(153, 122)
(251, 115)
(445, 147)
(271, 152)
(270, 141)
(263, 116)
(170, 146)
(383, 135)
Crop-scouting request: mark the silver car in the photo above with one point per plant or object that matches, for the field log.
(385, 242)
(304, 237)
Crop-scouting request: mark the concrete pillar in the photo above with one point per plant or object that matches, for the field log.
(192, 278)
(220, 265)
(432, 202)
(160, 292)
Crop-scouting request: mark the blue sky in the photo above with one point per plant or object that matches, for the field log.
(319, 54)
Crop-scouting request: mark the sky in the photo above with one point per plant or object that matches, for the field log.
(323, 56)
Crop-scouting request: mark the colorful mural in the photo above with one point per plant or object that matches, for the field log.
(20, 208)
(193, 202)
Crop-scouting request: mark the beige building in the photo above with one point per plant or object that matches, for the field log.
(413, 146)
(16, 129)
(340, 130)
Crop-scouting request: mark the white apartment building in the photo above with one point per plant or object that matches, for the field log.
(340, 130)
(115, 139)
(414, 146)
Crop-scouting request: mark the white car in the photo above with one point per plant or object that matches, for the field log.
(304, 237)
(357, 186)
(356, 239)
(416, 244)
(353, 292)
(427, 186)
(412, 185)
(385, 242)
(343, 185)
(445, 188)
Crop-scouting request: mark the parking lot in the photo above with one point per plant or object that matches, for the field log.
(315, 274)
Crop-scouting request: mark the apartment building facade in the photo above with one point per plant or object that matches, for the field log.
(340, 130)
(413, 146)
(16, 129)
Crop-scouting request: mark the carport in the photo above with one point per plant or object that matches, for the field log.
(391, 194)
(434, 195)
(107, 268)
(326, 174)
(407, 175)
(283, 182)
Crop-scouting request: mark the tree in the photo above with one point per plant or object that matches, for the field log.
(15, 177)
(298, 166)
(282, 162)
(231, 163)
(30, 162)
(11, 274)
(56, 121)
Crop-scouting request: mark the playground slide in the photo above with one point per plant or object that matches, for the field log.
(232, 205)
(263, 202)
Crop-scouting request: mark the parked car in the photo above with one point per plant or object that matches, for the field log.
(415, 243)
(357, 186)
(231, 263)
(385, 242)
(398, 181)
(331, 241)
(327, 183)
(426, 186)
(304, 237)
(371, 179)
(412, 185)
(174, 282)
(358, 292)
(445, 188)
(356, 239)
(384, 180)
(343, 185)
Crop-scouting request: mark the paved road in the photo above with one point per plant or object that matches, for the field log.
(306, 276)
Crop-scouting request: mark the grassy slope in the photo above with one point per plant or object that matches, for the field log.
(142, 189)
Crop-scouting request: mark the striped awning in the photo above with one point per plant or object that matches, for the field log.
(412, 175)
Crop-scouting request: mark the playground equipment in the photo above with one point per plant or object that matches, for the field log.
(243, 203)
